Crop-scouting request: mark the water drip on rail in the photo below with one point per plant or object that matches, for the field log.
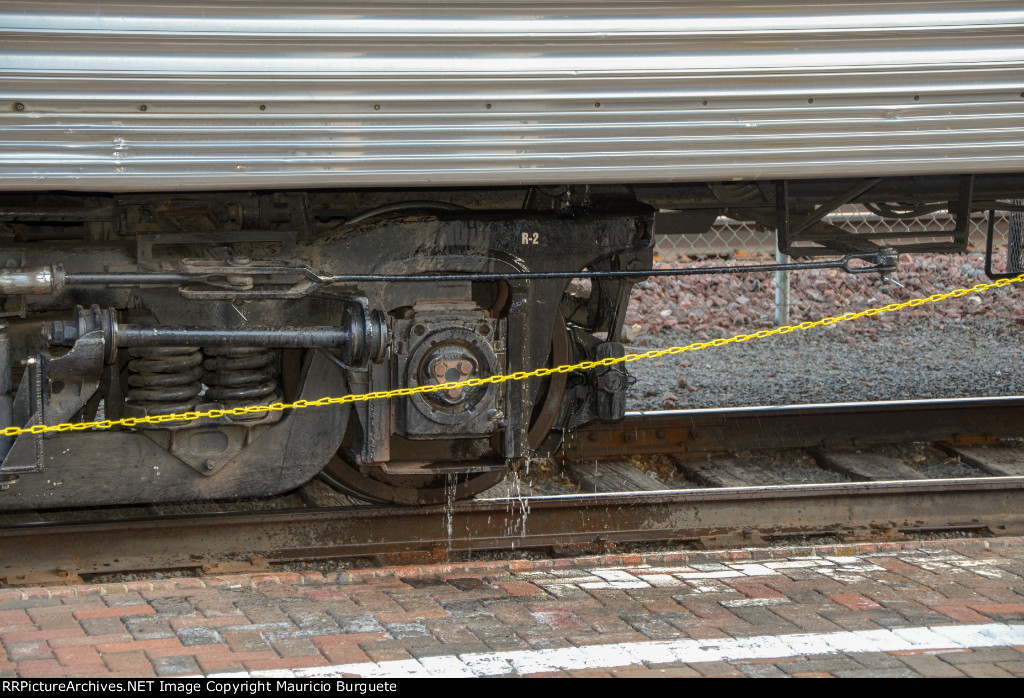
(518, 508)
(451, 483)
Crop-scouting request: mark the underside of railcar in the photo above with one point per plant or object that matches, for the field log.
(216, 222)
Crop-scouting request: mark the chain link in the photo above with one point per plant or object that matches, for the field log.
(501, 378)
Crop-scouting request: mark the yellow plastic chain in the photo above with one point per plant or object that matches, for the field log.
(517, 376)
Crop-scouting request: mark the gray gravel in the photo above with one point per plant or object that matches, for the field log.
(928, 358)
(958, 348)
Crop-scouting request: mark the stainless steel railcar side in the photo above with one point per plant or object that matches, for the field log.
(139, 96)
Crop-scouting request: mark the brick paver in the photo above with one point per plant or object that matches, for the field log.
(938, 609)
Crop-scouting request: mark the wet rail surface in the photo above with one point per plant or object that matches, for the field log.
(64, 551)
(888, 505)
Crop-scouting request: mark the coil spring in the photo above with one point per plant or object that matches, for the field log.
(239, 374)
(164, 375)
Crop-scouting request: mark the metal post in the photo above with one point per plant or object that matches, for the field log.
(6, 413)
(1015, 241)
(781, 290)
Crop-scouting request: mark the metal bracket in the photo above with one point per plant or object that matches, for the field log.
(247, 280)
(610, 384)
(1015, 249)
(146, 242)
(792, 231)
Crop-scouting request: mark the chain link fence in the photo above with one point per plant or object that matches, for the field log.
(670, 310)
(730, 238)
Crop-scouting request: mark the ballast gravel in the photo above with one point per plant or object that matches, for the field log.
(963, 347)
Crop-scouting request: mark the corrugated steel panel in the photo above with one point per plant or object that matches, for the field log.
(122, 96)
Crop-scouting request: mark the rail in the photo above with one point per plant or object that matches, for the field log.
(64, 551)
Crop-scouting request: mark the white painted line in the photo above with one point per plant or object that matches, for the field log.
(662, 570)
(613, 575)
(709, 566)
(709, 575)
(741, 603)
(272, 674)
(490, 664)
(854, 642)
(709, 586)
(536, 661)
(840, 575)
(559, 578)
(894, 642)
(974, 636)
(652, 653)
(755, 570)
(802, 644)
(861, 567)
(447, 666)
(949, 562)
(795, 564)
(399, 668)
(926, 638)
(934, 555)
(662, 580)
(767, 646)
(986, 569)
(635, 584)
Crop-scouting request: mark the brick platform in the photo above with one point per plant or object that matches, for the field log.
(950, 608)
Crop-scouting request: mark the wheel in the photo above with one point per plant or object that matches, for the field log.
(421, 489)
(406, 489)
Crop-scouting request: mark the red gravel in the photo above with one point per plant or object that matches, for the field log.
(726, 304)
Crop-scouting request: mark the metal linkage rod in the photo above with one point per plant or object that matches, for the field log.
(360, 336)
(877, 262)
(277, 338)
(53, 280)
(882, 260)
(128, 278)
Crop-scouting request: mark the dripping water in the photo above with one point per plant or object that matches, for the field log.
(450, 484)
(516, 521)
